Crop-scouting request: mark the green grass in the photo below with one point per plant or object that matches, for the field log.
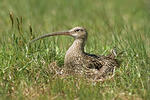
(24, 71)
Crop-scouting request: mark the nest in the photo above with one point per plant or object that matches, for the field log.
(88, 74)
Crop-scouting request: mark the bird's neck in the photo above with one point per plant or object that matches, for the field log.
(76, 50)
(77, 47)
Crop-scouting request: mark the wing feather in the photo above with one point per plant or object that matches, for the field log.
(104, 64)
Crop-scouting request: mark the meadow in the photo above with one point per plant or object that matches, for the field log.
(25, 70)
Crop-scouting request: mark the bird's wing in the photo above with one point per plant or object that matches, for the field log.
(104, 64)
(93, 61)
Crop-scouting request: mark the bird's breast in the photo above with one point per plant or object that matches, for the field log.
(73, 59)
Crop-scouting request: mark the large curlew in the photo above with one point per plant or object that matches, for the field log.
(78, 61)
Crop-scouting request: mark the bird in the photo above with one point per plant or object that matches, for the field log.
(78, 61)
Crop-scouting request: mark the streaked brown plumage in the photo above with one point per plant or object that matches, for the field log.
(78, 61)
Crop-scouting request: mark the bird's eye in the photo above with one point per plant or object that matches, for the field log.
(77, 30)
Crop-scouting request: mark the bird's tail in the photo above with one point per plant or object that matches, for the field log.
(114, 54)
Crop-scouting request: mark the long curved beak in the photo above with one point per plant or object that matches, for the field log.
(51, 34)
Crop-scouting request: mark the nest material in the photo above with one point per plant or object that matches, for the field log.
(89, 74)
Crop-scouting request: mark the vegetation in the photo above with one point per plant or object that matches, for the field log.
(25, 70)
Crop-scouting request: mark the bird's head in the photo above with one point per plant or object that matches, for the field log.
(78, 33)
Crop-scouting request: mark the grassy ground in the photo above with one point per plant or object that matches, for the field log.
(24, 71)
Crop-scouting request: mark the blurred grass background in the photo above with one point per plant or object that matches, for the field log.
(24, 71)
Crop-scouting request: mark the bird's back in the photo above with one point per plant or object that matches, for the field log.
(103, 65)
